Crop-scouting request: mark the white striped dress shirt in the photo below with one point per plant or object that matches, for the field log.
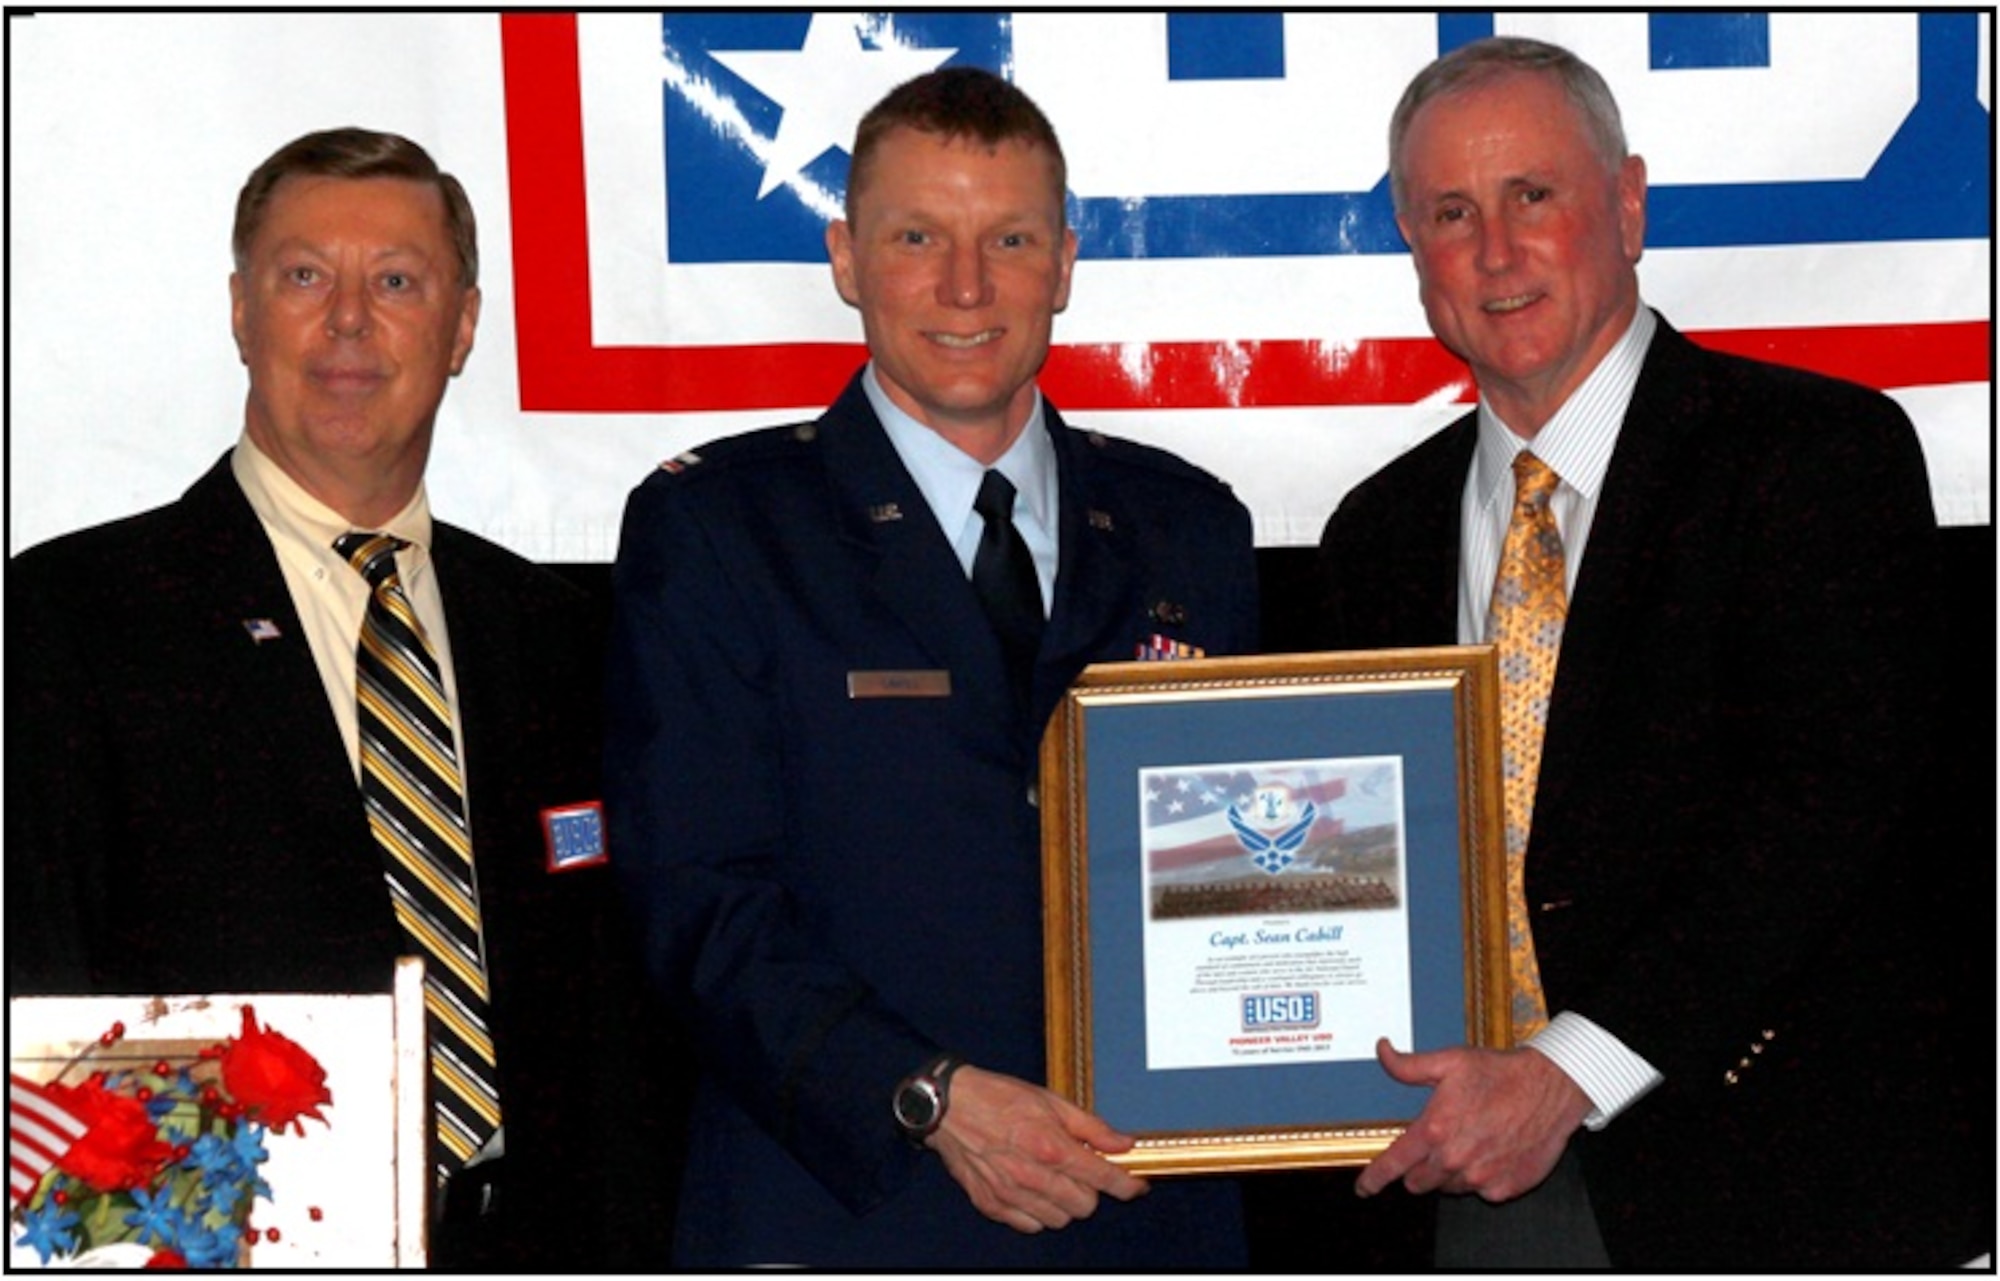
(1576, 444)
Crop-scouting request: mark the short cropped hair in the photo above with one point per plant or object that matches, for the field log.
(1475, 65)
(955, 103)
(357, 153)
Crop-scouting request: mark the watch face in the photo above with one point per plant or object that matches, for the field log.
(917, 1106)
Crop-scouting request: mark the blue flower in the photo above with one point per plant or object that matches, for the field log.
(216, 1160)
(47, 1228)
(205, 1247)
(155, 1216)
(223, 1195)
(249, 1142)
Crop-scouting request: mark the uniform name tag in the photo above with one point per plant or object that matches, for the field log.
(905, 684)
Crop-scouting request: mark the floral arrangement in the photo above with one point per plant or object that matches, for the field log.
(168, 1158)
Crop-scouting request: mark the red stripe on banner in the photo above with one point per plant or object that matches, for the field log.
(561, 367)
(1880, 356)
(562, 370)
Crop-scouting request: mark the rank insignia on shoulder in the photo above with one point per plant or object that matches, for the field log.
(1158, 648)
(680, 462)
(575, 835)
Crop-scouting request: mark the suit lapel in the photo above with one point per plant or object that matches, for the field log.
(1654, 444)
(233, 582)
(1096, 580)
(908, 562)
(485, 658)
(1429, 599)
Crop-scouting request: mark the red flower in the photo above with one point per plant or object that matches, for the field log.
(166, 1259)
(274, 1080)
(120, 1148)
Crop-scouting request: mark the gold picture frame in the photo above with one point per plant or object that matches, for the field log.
(1252, 867)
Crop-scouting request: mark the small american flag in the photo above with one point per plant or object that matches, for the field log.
(39, 1132)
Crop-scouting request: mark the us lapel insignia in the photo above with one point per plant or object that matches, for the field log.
(261, 629)
(681, 462)
(883, 513)
(1167, 614)
(1101, 521)
(575, 836)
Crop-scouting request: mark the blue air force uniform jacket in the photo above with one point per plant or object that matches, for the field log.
(836, 887)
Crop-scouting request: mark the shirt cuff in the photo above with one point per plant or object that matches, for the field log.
(1600, 1064)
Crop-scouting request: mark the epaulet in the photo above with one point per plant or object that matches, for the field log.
(763, 445)
(1117, 449)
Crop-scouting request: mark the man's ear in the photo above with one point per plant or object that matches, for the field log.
(236, 326)
(1632, 207)
(840, 252)
(468, 323)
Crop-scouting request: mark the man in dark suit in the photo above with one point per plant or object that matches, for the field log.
(822, 759)
(184, 736)
(1742, 1065)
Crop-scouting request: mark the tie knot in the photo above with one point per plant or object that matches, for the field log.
(996, 498)
(372, 555)
(1534, 480)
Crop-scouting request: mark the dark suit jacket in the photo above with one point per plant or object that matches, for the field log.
(182, 816)
(839, 887)
(1725, 869)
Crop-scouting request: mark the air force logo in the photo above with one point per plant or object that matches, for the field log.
(1273, 826)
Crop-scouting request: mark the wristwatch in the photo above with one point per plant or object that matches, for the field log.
(922, 1097)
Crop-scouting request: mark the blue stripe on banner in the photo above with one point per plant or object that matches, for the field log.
(1931, 180)
(1683, 41)
(1225, 46)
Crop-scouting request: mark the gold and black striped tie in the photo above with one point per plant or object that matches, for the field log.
(414, 794)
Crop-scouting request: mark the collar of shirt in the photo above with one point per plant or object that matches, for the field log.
(1577, 443)
(948, 478)
(301, 525)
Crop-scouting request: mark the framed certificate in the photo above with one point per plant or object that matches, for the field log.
(1253, 869)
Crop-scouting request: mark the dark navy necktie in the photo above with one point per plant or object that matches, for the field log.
(1003, 575)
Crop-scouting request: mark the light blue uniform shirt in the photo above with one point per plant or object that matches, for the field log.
(948, 478)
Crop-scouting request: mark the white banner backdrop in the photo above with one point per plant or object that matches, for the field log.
(651, 188)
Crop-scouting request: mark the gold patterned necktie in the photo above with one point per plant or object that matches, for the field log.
(414, 795)
(1525, 622)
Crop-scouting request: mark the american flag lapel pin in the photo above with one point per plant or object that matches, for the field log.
(261, 629)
